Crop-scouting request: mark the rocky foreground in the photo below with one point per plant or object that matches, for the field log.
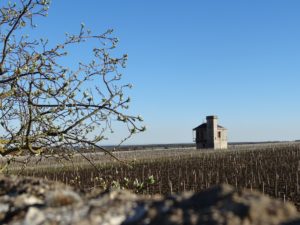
(29, 201)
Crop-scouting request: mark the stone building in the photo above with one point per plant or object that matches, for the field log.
(210, 134)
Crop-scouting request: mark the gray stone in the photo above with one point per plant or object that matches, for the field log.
(59, 198)
(28, 201)
(4, 209)
(34, 216)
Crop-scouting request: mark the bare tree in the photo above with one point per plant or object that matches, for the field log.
(45, 105)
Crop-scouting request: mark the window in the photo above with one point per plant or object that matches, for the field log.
(219, 134)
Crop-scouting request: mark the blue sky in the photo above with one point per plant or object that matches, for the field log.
(188, 59)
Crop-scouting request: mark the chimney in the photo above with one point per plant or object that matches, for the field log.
(212, 126)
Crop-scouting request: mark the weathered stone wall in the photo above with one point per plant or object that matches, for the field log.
(28, 201)
(222, 142)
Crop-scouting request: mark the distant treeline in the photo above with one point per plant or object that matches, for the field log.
(160, 146)
(150, 146)
(182, 145)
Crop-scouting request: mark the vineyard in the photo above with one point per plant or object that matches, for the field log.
(273, 170)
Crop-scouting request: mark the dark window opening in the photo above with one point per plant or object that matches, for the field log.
(219, 134)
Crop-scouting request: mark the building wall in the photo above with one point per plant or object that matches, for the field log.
(221, 140)
(201, 138)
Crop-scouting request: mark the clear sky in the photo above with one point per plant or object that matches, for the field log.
(236, 59)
